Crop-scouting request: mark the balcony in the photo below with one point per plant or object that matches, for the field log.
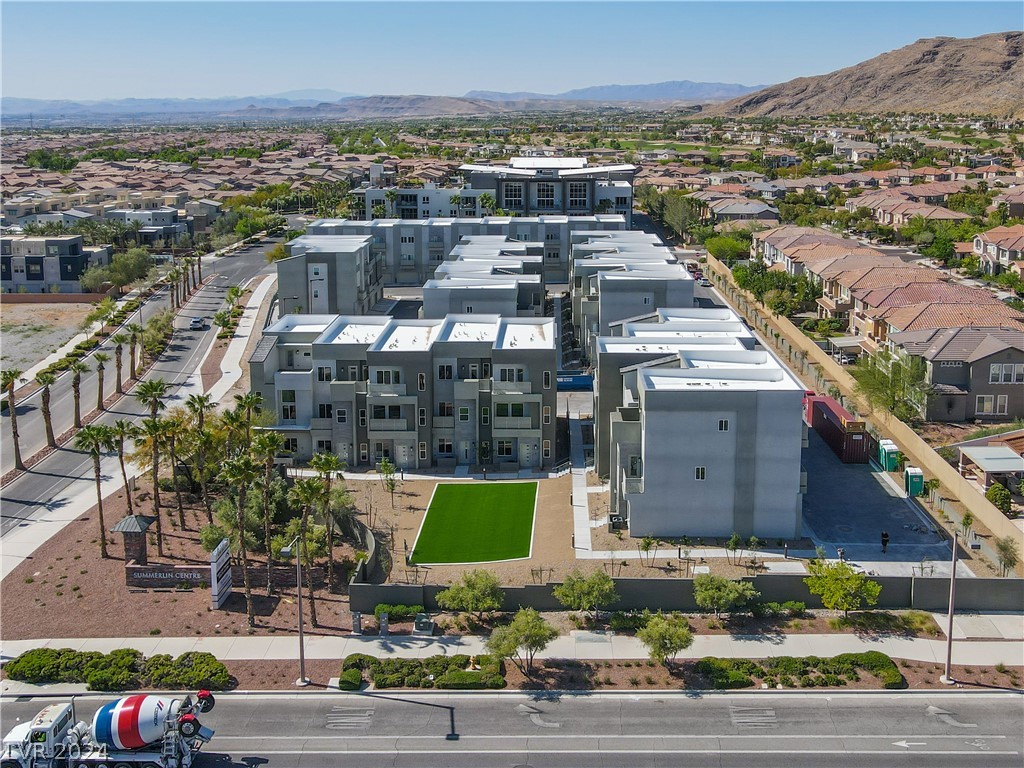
(469, 389)
(513, 422)
(444, 422)
(835, 304)
(632, 485)
(385, 389)
(510, 387)
(389, 425)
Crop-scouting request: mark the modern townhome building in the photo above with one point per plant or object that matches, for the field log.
(156, 224)
(490, 275)
(329, 274)
(412, 249)
(467, 389)
(973, 372)
(47, 264)
(707, 441)
(426, 202)
(1001, 249)
(531, 186)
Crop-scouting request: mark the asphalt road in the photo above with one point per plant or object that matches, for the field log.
(606, 731)
(36, 493)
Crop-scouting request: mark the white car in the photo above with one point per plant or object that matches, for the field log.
(704, 283)
(196, 324)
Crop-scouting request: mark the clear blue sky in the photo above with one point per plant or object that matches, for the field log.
(87, 50)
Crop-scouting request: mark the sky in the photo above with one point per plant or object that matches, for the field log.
(153, 48)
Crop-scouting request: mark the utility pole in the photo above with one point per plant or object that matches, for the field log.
(947, 676)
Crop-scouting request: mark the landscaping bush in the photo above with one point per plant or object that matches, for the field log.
(448, 672)
(359, 661)
(794, 608)
(879, 665)
(721, 674)
(466, 680)
(123, 669)
(397, 612)
(629, 621)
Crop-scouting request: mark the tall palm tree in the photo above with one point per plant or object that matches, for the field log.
(249, 402)
(235, 423)
(175, 428)
(8, 379)
(147, 444)
(94, 439)
(77, 368)
(119, 340)
(172, 279)
(327, 465)
(199, 406)
(391, 196)
(266, 446)
(191, 262)
(306, 494)
(121, 431)
(240, 473)
(100, 358)
(153, 393)
(46, 379)
(135, 331)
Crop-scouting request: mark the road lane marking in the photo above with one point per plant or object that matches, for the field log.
(343, 718)
(947, 717)
(753, 717)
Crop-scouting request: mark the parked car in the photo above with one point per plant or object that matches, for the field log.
(196, 324)
(704, 282)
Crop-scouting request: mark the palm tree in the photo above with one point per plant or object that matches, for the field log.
(101, 358)
(327, 465)
(306, 494)
(135, 227)
(175, 428)
(46, 379)
(233, 294)
(119, 340)
(249, 402)
(266, 446)
(391, 196)
(152, 393)
(240, 473)
(135, 331)
(235, 423)
(77, 368)
(487, 202)
(173, 276)
(191, 262)
(121, 431)
(199, 406)
(8, 379)
(94, 439)
(147, 444)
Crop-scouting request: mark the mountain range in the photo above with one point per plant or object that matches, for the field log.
(670, 90)
(978, 75)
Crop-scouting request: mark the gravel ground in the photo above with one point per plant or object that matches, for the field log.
(31, 332)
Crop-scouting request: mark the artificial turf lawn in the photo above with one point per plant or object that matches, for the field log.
(477, 523)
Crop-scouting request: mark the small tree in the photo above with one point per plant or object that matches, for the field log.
(479, 592)
(965, 523)
(1000, 497)
(387, 478)
(646, 545)
(586, 593)
(733, 546)
(520, 640)
(754, 545)
(665, 637)
(718, 594)
(840, 587)
(1008, 553)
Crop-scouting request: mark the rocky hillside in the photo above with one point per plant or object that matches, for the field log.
(980, 75)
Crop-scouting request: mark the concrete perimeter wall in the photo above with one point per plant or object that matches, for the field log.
(928, 594)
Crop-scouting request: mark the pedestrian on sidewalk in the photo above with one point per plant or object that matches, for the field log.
(885, 541)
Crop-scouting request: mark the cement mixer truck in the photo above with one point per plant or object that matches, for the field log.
(133, 732)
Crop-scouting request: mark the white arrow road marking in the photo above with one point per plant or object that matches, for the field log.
(908, 744)
(948, 717)
(535, 716)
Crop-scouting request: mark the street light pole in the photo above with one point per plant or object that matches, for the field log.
(286, 551)
(947, 677)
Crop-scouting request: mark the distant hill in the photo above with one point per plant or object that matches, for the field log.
(979, 75)
(14, 106)
(398, 106)
(672, 90)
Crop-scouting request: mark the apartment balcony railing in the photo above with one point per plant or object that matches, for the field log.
(444, 422)
(513, 422)
(385, 389)
(510, 387)
(632, 485)
(389, 425)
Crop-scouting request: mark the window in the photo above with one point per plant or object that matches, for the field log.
(444, 372)
(636, 466)
(621, 202)
(445, 409)
(509, 409)
(547, 379)
(547, 414)
(1018, 373)
(474, 371)
(486, 370)
(513, 195)
(408, 239)
(421, 382)
(984, 404)
(1001, 404)
(994, 373)
(362, 417)
(324, 446)
(388, 376)
(505, 448)
(316, 293)
(510, 374)
(551, 236)
(445, 447)
(485, 415)
(951, 364)
(288, 404)
(547, 449)
(469, 309)
(463, 413)
(387, 411)
(325, 411)
(552, 253)
(324, 373)
(353, 373)
(647, 301)
(342, 415)
(723, 425)
(364, 454)
(1007, 373)
(291, 444)
(316, 271)
(545, 195)
(699, 473)
(577, 194)
(423, 451)
(381, 451)
(422, 417)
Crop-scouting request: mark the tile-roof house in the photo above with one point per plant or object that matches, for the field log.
(975, 372)
(1000, 248)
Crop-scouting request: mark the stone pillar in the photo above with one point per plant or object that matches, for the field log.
(135, 547)
(357, 623)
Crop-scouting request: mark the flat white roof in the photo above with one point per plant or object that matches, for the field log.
(547, 162)
(406, 337)
(302, 324)
(994, 458)
(667, 344)
(328, 243)
(357, 330)
(533, 334)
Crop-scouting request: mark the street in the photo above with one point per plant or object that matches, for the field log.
(604, 730)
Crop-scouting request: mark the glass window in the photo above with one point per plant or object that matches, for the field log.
(423, 417)
(291, 444)
(445, 409)
(545, 195)
(513, 194)
(288, 396)
(342, 414)
(577, 194)
(325, 411)
(994, 372)
(423, 451)
(1001, 404)
(1018, 373)
(362, 417)
(984, 404)
(547, 414)
(364, 453)
(1007, 373)
(324, 446)
(699, 473)
(723, 425)
(444, 372)
(485, 415)
(421, 381)
(463, 413)
(444, 446)
(547, 449)
(547, 379)
(505, 448)
(324, 373)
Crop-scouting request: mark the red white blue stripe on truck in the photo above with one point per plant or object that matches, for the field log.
(131, 722)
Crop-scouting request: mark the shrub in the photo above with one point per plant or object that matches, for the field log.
(721, 673)
(629, 621)
(350, 680)
(397, 612)
(794, 608)
(119, 670)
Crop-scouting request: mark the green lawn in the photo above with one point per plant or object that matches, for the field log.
(477, 523)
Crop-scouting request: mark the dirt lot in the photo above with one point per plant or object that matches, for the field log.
(33, 331)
